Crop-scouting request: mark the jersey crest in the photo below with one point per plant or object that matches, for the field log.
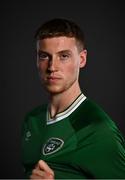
(52, 145)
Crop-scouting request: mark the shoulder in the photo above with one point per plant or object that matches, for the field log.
(36, 113)
(92, 109)
(99, 133)
(37, 110)
(102, 123)
(92, 123)
(90, 114)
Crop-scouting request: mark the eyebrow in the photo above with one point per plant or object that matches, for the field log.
(59, 52)
(40, 52)
(65, 51)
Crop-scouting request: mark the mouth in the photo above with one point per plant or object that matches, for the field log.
(52, 79)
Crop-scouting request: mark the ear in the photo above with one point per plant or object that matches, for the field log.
(83, 57)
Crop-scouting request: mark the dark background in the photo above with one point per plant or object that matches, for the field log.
(102, 80)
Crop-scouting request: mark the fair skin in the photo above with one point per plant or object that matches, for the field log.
(59, 61)
(42, 171)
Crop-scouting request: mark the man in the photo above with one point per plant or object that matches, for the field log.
(71, 137)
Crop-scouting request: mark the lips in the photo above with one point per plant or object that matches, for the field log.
(53, 77)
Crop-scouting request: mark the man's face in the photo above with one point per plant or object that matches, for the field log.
(58, 62)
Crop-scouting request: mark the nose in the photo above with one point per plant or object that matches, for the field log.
(52, 65)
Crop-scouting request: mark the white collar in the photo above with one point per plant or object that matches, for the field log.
(66, 112)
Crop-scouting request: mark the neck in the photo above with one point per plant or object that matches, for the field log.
(59, 102)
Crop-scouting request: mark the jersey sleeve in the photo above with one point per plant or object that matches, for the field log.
(104, 150)
(32, 125)
(25, 133)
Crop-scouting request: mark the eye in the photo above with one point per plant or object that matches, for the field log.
(64, 56)
(43, 56)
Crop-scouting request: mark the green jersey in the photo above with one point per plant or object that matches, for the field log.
(81, 142)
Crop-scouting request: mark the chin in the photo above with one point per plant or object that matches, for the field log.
(54, 90)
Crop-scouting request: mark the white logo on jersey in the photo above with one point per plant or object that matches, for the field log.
(52, 146)
(28, 135)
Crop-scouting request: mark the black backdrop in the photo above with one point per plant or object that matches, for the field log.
(102, 79)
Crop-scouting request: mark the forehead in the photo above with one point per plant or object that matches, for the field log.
(58, 43)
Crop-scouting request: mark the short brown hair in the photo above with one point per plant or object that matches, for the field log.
(61, 27)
